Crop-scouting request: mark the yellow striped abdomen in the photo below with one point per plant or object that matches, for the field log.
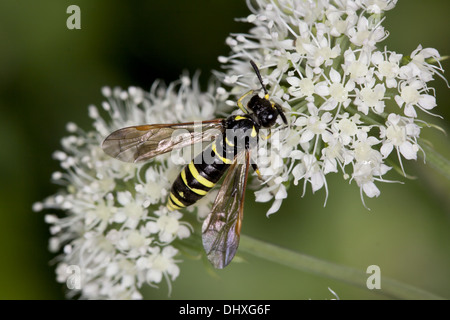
(198, 177)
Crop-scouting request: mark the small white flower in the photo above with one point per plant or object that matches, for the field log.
(168, 226)
(419, 68)
(413, 95)
(357, 69)
(131, 211)
(337, 91)
(378, 6)
(320, 53)
(371, 98)
(347, 128)
(363, 175)
(303, 87)
(274, 190)
(400, 133)
(161, 263)
(365, 34)
(312, 126)
(387, 68)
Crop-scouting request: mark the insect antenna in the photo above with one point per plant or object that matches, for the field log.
(259, 76)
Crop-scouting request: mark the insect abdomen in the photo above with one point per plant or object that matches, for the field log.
(198, 177)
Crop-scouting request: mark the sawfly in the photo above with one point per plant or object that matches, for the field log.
(229, 154)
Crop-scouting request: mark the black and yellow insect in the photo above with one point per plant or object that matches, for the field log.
(233, 139)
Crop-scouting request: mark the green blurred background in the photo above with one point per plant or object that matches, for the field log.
(49, 75)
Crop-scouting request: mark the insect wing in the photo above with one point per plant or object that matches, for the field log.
(140, 143)
(222, 228)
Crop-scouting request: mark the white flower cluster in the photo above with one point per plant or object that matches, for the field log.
(350, 104)
(114, 226)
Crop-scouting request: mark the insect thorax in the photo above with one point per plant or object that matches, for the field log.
(241, 132)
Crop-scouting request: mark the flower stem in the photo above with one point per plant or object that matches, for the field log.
(435, 159)
(299, 261)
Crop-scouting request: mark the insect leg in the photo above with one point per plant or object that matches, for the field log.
(268, 136)
(239, 102)
(255, 167)
(280, 112)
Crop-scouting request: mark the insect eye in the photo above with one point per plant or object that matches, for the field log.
(268, 120)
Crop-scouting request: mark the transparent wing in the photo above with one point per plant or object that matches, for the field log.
(222, 228)
(140, 143)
